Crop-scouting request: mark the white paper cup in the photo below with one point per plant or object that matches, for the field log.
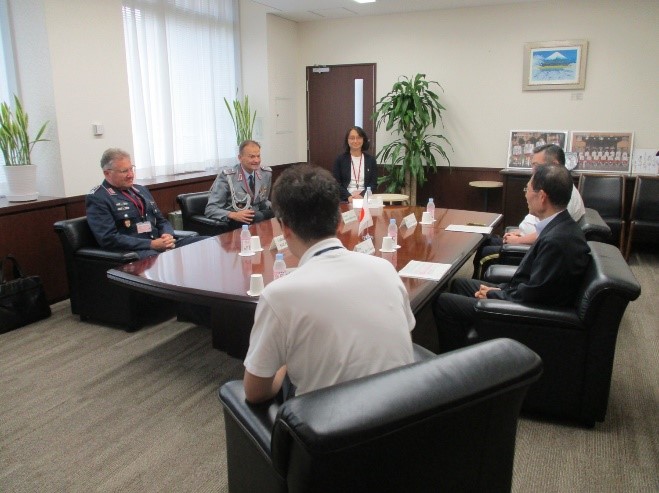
(255, 244)
(388, 244)
(256, 284)
(426, 217)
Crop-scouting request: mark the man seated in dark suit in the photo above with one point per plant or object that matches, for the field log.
(525, 234)
(549, 274)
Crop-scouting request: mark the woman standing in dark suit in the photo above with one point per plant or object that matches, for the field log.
(354, 169)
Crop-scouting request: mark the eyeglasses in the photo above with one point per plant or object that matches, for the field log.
(124, 171)
(529, 189)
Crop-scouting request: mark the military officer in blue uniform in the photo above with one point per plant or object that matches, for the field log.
(124, 216)
(240, 193)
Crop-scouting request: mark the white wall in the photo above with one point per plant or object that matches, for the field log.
(34, 74)
(72, 71)
(90, 84)
(284, 65)
(476, 55)
(269, 48)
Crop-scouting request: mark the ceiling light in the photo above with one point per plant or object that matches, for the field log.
(365, 1)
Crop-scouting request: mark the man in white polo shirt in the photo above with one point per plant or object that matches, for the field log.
(340, 315)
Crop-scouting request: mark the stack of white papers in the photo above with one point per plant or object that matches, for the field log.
(431, 271)
(469, 228)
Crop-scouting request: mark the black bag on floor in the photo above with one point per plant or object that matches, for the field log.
(22, 300)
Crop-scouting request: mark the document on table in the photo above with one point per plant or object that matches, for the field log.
(470, 228)
(431, 271)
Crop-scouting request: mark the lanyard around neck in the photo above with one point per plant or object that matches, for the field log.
(136, 200)
(320, 252)
(354, 173)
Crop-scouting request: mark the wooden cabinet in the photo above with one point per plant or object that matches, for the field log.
(26, 229)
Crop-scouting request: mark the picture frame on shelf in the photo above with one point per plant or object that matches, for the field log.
(645, 162)
(555, 65)
(522, 143)
(602, 152)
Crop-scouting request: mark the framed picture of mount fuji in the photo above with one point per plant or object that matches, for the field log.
(550, 65)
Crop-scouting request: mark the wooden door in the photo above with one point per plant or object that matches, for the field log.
(331, 109)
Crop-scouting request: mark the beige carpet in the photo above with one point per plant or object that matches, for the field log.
(88, 408)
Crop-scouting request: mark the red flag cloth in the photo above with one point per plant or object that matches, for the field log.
(365, 218)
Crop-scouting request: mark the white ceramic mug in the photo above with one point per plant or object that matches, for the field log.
(388, 244)
(256, 284)
(255, 244)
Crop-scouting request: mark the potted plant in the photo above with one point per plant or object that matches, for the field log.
(411, 111)
(16, 146)
(243, 119)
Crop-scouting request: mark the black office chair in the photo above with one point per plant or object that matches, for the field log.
(606, 194)
(93, 296)
(447, 423)
(193, 206)
(644, 215)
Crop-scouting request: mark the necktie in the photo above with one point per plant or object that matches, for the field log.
(250, 180)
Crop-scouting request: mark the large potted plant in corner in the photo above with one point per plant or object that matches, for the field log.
(242, 117)
(411, 111)
(16, 147)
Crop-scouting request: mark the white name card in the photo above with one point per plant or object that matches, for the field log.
(366, 247)
(409, 221)
(375, 202)
(279, 243)
(349, 217)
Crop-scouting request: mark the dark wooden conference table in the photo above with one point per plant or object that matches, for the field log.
(211, 273)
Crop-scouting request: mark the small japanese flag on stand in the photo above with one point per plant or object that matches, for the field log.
(365, 218)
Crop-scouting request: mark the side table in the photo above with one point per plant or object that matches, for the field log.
(486, 186)
(392, 198)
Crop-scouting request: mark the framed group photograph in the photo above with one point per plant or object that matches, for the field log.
(605, 152)
(550, 65)
(522, 143)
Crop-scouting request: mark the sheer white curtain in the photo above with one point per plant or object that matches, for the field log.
(7, 73)
(183, 59)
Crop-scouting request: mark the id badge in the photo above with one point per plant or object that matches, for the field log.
(144, 227)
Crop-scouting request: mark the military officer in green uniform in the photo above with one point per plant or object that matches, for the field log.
(240, 193)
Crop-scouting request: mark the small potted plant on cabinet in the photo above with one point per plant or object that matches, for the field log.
(16, 146)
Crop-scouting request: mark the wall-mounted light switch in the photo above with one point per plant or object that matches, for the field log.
(98, 128)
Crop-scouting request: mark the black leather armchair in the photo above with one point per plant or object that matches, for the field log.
(644, 215)
(192, 207)
(447, 423)
(93, 296)
(576, 344)
(606, 194)
(591, 223)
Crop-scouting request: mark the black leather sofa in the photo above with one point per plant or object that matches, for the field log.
(577, 343)
(93, 296)
(447, 423)
(192, 207)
